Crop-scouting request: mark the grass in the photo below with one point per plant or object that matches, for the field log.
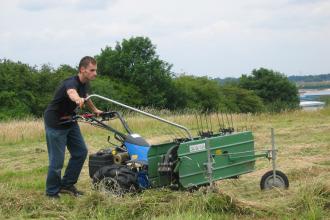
(302, 138)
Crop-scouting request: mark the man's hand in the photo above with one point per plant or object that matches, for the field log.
(98, 112)
(93, 108)
(80, 102)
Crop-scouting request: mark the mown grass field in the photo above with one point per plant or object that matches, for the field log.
(303, 140)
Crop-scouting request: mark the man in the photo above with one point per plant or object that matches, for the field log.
(68, 96)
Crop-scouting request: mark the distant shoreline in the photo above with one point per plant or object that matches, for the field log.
(307, 92)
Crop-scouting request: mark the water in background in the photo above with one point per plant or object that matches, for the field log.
(310, 99)
(312, 94)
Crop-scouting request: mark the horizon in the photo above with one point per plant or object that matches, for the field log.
(38, 67)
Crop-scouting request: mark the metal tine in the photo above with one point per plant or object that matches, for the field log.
(238, 122)
(246, 122)
(210, 115)
(208, 119)
(219, 121)
(201, 120)
(198, 129)
(231, 118)
(223, 122)
(243, 120)
(207, 125)
(207, 122)
(227, 119)
(229, 122)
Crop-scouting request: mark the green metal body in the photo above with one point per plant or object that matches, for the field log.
(227, 156)
(155, 155)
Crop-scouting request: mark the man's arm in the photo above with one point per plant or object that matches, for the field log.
(92, 107)
(74, 96)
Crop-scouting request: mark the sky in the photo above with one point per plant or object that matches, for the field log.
(216, 38)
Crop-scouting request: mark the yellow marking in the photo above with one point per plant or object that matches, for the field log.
(134, 156)
(218, 152)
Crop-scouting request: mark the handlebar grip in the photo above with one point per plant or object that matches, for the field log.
(88, 115)
(108, 114)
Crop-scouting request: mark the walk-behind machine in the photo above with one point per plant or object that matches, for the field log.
(184, 163)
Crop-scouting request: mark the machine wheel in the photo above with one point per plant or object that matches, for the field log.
(267, 182)
(116, 179)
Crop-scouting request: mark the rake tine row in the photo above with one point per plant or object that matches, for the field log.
(198, 128)
(210, 118)
(220, 127)
(207, 124)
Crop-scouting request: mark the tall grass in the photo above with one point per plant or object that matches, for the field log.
(304, 150)
(31, 129)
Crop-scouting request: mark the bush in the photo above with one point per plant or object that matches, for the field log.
(274, 88)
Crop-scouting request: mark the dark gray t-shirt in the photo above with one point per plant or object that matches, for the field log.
(61, 105)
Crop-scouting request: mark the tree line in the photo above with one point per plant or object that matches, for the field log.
(132, 73)
(310, 78)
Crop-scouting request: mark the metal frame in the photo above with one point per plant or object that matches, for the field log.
(142, 112)
(273, 155)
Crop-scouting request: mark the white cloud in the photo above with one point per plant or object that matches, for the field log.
(199, 37)
(39, 5)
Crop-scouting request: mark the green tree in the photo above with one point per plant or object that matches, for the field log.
(241, 100)
(197, 93)
(16, 86)
(135, 62)
(274, 88)
(115, 89)
(25, 90)
(47, 80)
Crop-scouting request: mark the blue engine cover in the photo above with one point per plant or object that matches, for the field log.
(137, 148)
(138, 153)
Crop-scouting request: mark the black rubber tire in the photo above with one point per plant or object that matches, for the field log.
(120, 175)
(266, 180)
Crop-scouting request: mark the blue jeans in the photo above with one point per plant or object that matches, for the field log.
(57, 140)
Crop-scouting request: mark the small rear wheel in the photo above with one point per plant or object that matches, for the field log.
(116, 179)
(268, 181)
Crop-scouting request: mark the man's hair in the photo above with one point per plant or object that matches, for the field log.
(85, 61)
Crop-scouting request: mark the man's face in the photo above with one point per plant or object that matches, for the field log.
(89, 72)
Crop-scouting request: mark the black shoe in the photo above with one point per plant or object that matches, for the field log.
(55, 196)
(72, 190)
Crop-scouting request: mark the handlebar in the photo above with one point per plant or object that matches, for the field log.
(105, 116)
(144, 113)
(94, 120)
